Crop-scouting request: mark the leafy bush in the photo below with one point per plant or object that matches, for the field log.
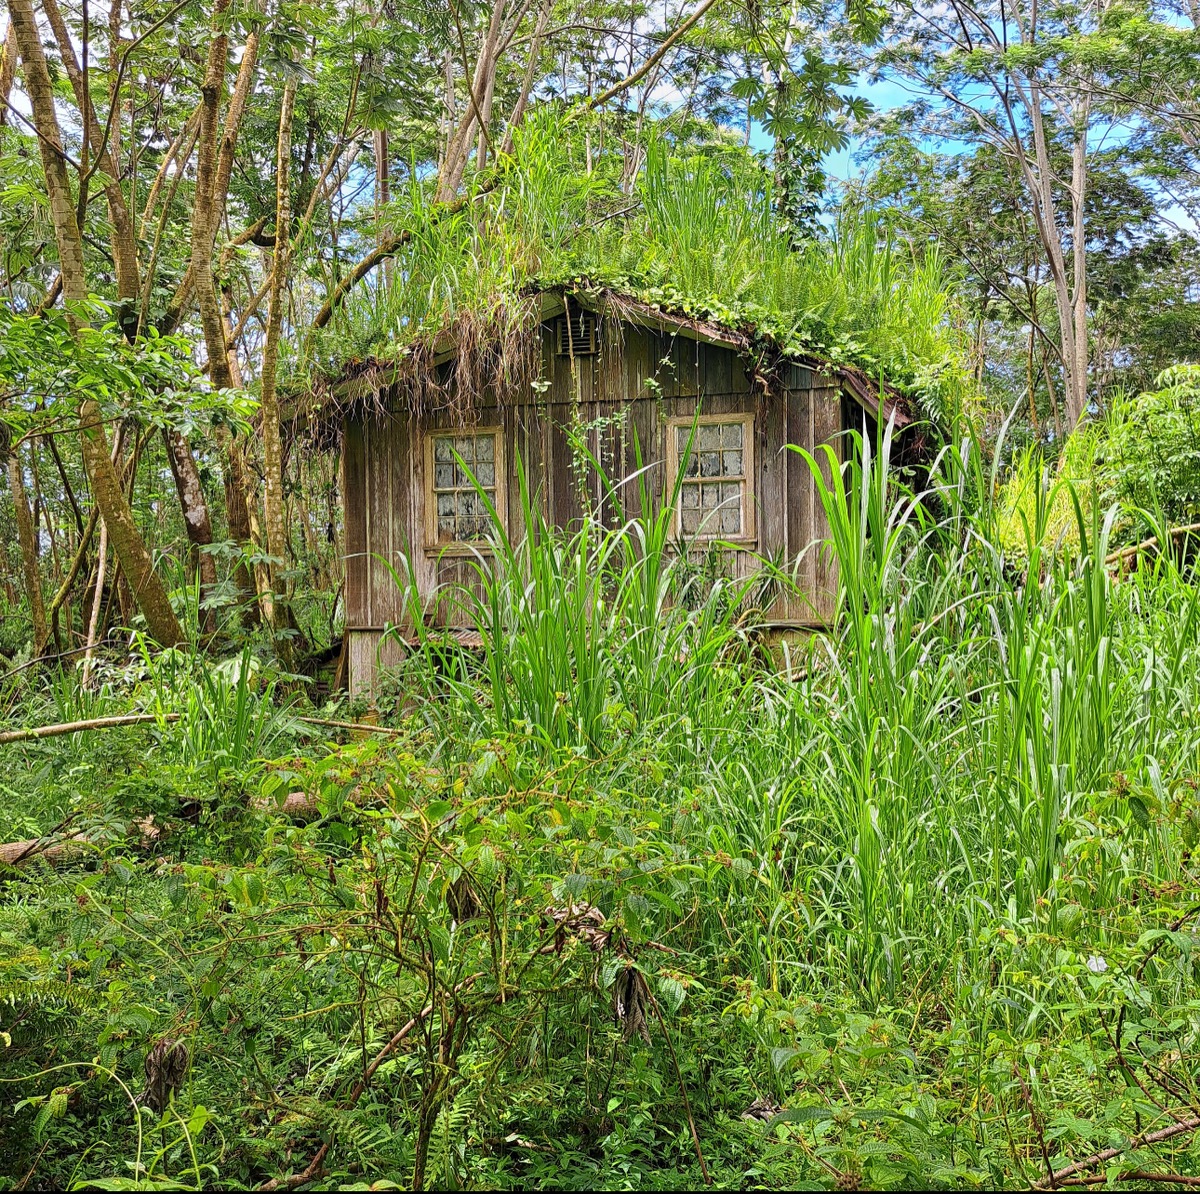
(1036, 505)
(1152, 446)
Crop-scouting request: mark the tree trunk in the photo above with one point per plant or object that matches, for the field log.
(97, 598)
(204, 224)
(124, 244)
(237, 484)
(196, 519)
(535, 49)
(1071, 308)
(27, 539)
(8, 63)
(262, 577)
(145, 585)
(233, 123)
(272, 440)
(459, 149)
(214, 169)
(58, 184)
(1077, 398)
(106, 486)
(383, 186)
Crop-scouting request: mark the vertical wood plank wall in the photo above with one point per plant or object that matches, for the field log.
(619, 401)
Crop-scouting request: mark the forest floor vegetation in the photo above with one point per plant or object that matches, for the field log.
(623, 903)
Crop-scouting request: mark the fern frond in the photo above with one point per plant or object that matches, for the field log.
(48, 993)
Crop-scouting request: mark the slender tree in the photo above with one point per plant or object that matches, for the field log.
(272, 439)
(27, 542)
(146, 585)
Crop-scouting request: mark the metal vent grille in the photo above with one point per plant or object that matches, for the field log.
(577, 334)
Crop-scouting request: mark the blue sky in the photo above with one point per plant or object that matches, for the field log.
(884, 95)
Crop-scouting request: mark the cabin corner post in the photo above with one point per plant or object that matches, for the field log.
(360, 666)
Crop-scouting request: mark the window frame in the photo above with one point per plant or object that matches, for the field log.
(749, 532)
(461, 547)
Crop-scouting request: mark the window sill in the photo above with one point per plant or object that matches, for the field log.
(742, 543)
(469, 550)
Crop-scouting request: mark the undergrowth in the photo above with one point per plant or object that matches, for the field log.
(619, 904)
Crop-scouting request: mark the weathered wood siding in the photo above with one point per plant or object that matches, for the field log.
(622, 399)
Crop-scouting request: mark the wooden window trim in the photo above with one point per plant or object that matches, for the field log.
(749, 535)
(461, 547)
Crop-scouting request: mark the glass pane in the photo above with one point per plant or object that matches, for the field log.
(681, 439)
(689, 521)
(731, 520)
(485, 447)
(485, 474)
(446, 528)
(731, 492)
(732, 466)
(445, 505)
(709, 496)
(692, 468)
(709, 435)
(462, 478)
(690, 497)
(441, 448)
(463, 446)
(466, 503)
(443, 476)
(731, 435)
(710, 464)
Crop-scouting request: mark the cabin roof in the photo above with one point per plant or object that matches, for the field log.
(360, 383)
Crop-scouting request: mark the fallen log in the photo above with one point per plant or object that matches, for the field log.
(60, 850)
(74, 727)
(135, 719)
(55, 851)
(365, 726)
(1124, 554)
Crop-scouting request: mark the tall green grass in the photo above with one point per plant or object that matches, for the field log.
(972, 754)
(589, 633)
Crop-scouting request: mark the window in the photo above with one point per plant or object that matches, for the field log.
(716, 489)
(455, 513)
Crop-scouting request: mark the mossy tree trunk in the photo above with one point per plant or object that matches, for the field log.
(196, 520)
(27, 540)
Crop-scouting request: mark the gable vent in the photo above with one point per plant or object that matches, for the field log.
(577, 334)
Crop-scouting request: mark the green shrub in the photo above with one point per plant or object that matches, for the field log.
(1034, 507)
(1152, 446)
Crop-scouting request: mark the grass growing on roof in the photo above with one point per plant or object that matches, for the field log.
(697, 236)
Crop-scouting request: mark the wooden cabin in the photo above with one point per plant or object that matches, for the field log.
(619, 372)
